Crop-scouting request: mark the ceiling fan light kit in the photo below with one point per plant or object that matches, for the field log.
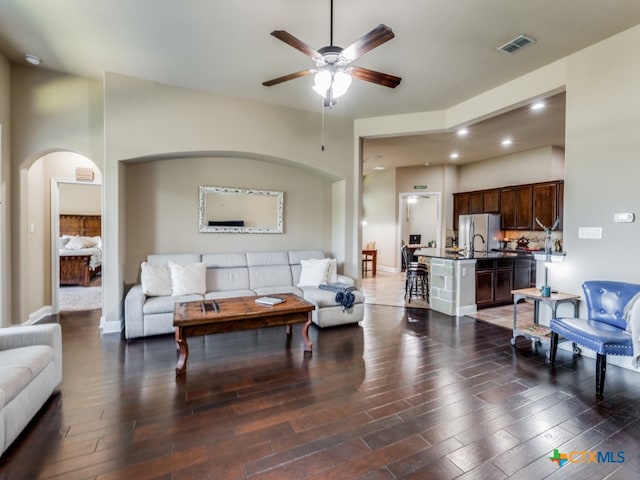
(333, 74)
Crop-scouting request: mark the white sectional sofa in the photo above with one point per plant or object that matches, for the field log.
(30, 371)
(238, 274)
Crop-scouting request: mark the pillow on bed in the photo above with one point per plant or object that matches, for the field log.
(76, 243)
(188, 278)
(155, 279)
(62, 242)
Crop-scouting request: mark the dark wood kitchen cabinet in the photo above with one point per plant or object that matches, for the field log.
(524, 272)
(494, 282)
(460, 207)
(548, 202)
(497, 277)
(491, 201)
(516, 208)
(485, 279)
(476, 202)
(519, 205)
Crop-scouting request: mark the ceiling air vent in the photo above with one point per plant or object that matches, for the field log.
(516, 44)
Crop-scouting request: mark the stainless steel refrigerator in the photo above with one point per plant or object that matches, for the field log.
(487, 225)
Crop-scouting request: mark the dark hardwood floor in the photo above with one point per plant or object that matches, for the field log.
(409, 394)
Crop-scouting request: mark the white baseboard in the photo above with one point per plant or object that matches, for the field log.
(386, 268)
(109, 327)
(39, 314)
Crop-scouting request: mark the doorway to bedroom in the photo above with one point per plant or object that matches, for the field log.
(76, 235)
(79, 246)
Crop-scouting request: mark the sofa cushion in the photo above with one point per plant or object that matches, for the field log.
(165, 304)
(313, 272)
(230, 294)
(19, 366)
(225, 260)
(270, 276)
(255, 259)
(280, 289)
(224, 279)
(188, 278)
(155, 279)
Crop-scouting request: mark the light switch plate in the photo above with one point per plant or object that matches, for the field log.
(590, 232)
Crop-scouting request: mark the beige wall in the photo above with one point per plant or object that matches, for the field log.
(538, 165)
(602, 167)
(379, 208)
(80, 199)
(162, 207)
(5, 193)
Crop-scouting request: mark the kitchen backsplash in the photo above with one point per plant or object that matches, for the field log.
(535, 238)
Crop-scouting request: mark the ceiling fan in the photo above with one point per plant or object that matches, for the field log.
(333, 71)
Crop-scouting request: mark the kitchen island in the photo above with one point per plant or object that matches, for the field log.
(460, 283)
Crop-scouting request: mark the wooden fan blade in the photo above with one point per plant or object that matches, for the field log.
(372, 76)
(296, 43)
(371, 40)
(286, 78)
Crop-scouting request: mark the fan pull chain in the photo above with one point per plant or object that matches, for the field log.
(322, 147)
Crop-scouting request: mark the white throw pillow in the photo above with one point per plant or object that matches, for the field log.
(332, 274)
(62, 242)
(155, 279)
(313, 272)
(76, 243)
(188, 278)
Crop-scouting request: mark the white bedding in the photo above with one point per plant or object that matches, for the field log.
(82, 246)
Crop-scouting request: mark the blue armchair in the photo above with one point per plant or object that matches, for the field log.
(604, 329)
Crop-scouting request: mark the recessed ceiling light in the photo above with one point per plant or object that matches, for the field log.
(379, 167)
(506, 142)
(462, 132)
(427, 164)
(32, 59)
(538, 106)
(454, 155)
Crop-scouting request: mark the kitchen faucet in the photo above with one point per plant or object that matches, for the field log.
(473, 241)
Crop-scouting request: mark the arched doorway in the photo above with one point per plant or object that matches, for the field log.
(40, 209)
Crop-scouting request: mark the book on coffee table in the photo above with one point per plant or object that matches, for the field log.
(269, 300)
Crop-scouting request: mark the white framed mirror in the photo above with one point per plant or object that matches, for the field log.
(239, 210)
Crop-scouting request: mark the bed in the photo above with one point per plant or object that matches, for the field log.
(80, 248)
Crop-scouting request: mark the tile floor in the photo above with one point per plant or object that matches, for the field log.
(387, 288)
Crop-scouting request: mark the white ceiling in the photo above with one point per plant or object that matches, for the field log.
(528, 129)
(445, 51)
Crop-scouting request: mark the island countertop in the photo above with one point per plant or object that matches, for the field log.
(452, 255)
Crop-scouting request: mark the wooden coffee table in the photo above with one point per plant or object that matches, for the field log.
(238, 313)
